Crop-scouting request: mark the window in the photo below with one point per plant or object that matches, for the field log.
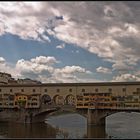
(11, 104)
(114, 98)
(33, 103)
(96, 90)
(110, 89)
(33, 90)
(136, 100)
(34, 99)
(58, 90)
(70, 90)
(11, 90)
(80, 99)
(22, 90)
(86, 104)
(79, 104)
(86, 94)
(0, 90)
(138, 89)
(45, 90)
(124, 89)
(83, 90)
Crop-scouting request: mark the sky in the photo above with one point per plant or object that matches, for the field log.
(71, 42)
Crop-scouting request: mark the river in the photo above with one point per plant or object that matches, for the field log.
(119, 125)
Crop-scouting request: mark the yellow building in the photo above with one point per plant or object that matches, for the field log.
(82, 95)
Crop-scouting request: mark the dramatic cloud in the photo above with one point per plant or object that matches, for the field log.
(69, 73)
(111, 30)
(103, 70)
(41, 68)
(36, 65)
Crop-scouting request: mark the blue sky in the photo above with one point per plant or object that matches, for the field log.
(70, 41)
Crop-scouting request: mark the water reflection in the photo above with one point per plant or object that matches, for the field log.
(56, 127)
(40, 130)
(75, 126)
(96, 131)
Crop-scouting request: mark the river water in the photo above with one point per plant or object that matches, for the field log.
(119, 125)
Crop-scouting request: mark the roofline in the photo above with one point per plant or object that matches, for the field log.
(72, 84)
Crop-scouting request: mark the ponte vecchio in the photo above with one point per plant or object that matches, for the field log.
(95, 101)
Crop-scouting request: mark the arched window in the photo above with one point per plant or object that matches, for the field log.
(45, 99)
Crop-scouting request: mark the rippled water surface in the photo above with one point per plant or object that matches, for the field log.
(119, 125)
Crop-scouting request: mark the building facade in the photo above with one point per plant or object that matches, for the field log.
(29, 93)
(82, 95)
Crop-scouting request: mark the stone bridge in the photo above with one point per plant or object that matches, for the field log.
(91, 107)
(95, 101)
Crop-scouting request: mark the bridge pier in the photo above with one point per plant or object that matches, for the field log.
(96, 131)
(95, 117)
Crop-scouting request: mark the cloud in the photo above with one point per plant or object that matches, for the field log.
(103, 70)
(126, 77)
(109, 30)
(2, 60)
(69, 73)
(36, 65)
(25, 23)
(121, 66)
(8, 68)
(72, 69)
(44, 60)
(62, 46)
(42, 68)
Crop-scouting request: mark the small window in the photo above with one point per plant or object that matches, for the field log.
(96, 90)
(86, 104)
(124, 89)
(110, 89)
(0, 90)
(24, 98)
(58, 90)
(45, 90)
(33, 90)
(70, 90)
(86, 94)
(11, 90)
(138, 89)
(22, 90)
(83, 90)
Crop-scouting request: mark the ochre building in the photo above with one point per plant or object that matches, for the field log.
(81, 95)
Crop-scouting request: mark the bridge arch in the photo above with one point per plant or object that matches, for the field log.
(70, 99)
(58, 99)
(45, 98)
(99, 116)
